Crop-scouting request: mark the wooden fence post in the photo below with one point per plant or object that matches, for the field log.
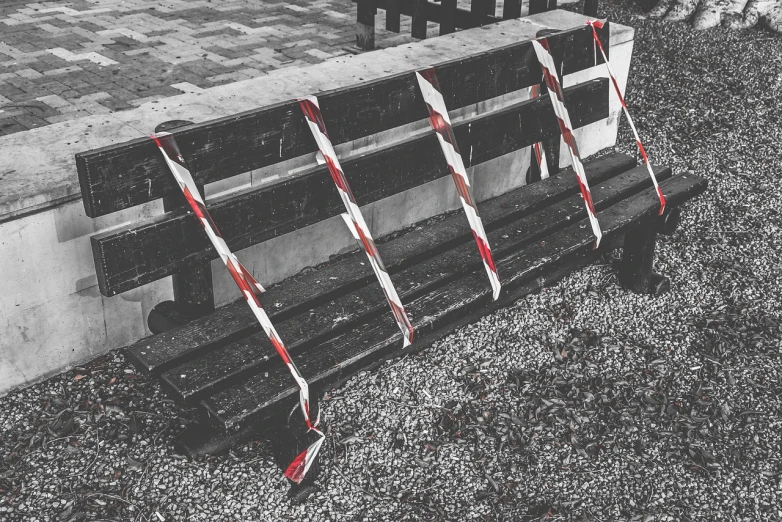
(447, 16)
(636, 268)
(418, 29)
(590, 8)
(193, 290)
(392, 15)
(365, 24)
(478, 11)
(511, 9)
(541, 6)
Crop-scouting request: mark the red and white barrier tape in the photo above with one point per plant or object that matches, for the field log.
(354, 219)
(598, 24)
(250, 289)
(566, 128)
(540, 155)
(441, 124)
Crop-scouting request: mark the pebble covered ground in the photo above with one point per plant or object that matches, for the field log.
(582, 402)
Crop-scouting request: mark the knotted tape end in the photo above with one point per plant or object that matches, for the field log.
(301, 464)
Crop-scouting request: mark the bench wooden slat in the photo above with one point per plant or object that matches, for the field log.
(258, 397)
(255, 354)
(327, 282)
(150, 250)
(128, 174)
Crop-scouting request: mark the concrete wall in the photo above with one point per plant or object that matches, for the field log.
(51, 313)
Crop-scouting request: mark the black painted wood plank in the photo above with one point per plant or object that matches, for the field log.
(254, 399)
(128, 174)
(144, 252)
(329, 281)
(231, 363)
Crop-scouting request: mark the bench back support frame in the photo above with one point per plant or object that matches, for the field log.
(192, 284)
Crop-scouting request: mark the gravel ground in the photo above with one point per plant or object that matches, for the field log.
(583, 402)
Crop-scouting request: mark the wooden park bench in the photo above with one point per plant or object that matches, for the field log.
(334, 317)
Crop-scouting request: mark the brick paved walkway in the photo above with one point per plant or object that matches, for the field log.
(62, 60)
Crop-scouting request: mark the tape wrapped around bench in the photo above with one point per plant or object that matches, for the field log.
(261, 395)
(322, 284)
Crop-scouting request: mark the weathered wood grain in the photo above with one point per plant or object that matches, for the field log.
(258, 396)
(342, 276)
(254, 354)
(128, 174)
(144, 252)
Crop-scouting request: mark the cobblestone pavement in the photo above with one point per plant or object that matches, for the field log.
(62, 60)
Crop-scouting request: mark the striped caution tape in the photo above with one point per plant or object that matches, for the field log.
(250, 289)
(566, 128)
(540, 155)
(599, 24)
(353, 218)
(441, 124)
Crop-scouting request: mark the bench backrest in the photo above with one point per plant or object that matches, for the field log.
(133, 173)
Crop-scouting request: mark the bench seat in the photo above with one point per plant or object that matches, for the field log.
(226, 366)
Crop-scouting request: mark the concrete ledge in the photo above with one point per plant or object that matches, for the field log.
(51, 313)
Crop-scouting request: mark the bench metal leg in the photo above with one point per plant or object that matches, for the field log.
(193, 298)
(286, 432)
(635, 269)
(550, 145)
(289, 437)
